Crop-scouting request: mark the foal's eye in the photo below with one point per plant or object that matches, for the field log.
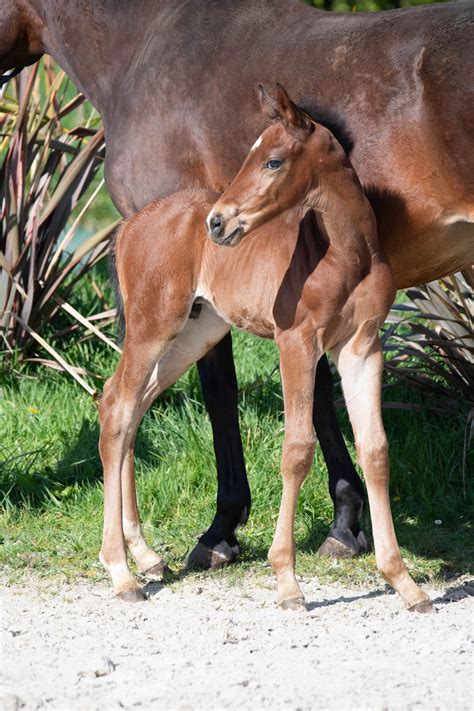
(273, 164)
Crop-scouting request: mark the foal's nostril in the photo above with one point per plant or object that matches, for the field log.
(215, 225)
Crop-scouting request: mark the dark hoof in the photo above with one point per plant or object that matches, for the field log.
(296, 604)
(132, 595)
(203, 558)
(424, 607)
(336, 549)
(156, 572)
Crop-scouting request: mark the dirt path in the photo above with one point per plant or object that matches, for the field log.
(206, 644)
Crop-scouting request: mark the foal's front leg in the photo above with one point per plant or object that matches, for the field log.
(298, 365)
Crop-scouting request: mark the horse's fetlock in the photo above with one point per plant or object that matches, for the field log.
(280, 557)
(103, 559)
(391, 568)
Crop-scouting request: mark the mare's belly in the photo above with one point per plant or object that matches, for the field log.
(431, 254)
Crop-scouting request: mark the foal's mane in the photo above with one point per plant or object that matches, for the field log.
(330, 119)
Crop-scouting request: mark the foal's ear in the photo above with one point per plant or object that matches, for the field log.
(282, 108)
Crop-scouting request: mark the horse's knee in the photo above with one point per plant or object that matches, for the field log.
(372, 453)
(298, 456)
(108, 399)
(115, 416)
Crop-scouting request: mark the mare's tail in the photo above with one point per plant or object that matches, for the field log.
(112, 265)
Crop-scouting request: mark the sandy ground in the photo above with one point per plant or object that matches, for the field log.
(207, 644)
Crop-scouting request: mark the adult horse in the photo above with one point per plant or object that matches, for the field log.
(175, 86)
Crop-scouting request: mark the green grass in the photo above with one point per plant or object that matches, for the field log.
(50, 474)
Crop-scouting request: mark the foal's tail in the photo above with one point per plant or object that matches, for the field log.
(112, 265)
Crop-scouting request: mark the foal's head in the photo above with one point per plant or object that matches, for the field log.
(281, 170)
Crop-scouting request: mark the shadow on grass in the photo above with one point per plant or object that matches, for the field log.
(23, 480)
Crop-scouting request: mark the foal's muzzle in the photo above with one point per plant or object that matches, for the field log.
(225, 231)
(215, 226)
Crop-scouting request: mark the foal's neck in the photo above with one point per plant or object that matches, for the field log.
(344, 210)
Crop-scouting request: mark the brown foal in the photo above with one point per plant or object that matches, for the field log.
(311, 276)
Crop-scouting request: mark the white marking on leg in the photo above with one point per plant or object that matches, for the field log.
(143, 555)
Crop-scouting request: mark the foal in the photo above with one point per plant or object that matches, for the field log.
(311, 276)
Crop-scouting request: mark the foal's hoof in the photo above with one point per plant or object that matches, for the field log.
(424, 607)
(132, 595)
(203, 558)
(156, 572)
(295, 603)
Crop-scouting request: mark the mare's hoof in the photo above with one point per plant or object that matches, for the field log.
(342, 543)
(336, 549)
(424, 607)
(295, 603)
(132, 595)
(156, 572)
(362, 542)
(203, 558)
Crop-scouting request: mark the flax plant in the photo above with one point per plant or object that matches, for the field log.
(430, 337)
(46, 168)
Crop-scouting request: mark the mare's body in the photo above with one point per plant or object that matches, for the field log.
(174, 85)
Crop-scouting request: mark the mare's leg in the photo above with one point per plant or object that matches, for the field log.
(360, 362)
(219, 386)
(298, 366)
(347, 491)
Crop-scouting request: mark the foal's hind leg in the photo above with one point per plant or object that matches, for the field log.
(197, 336)
(141, 375)
(149, 563)
(120, 415)
(360, 363)
(298, 365)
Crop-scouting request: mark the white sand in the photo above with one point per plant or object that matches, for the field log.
(206, 644)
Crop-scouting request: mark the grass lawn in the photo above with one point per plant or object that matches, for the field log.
(50, 474)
